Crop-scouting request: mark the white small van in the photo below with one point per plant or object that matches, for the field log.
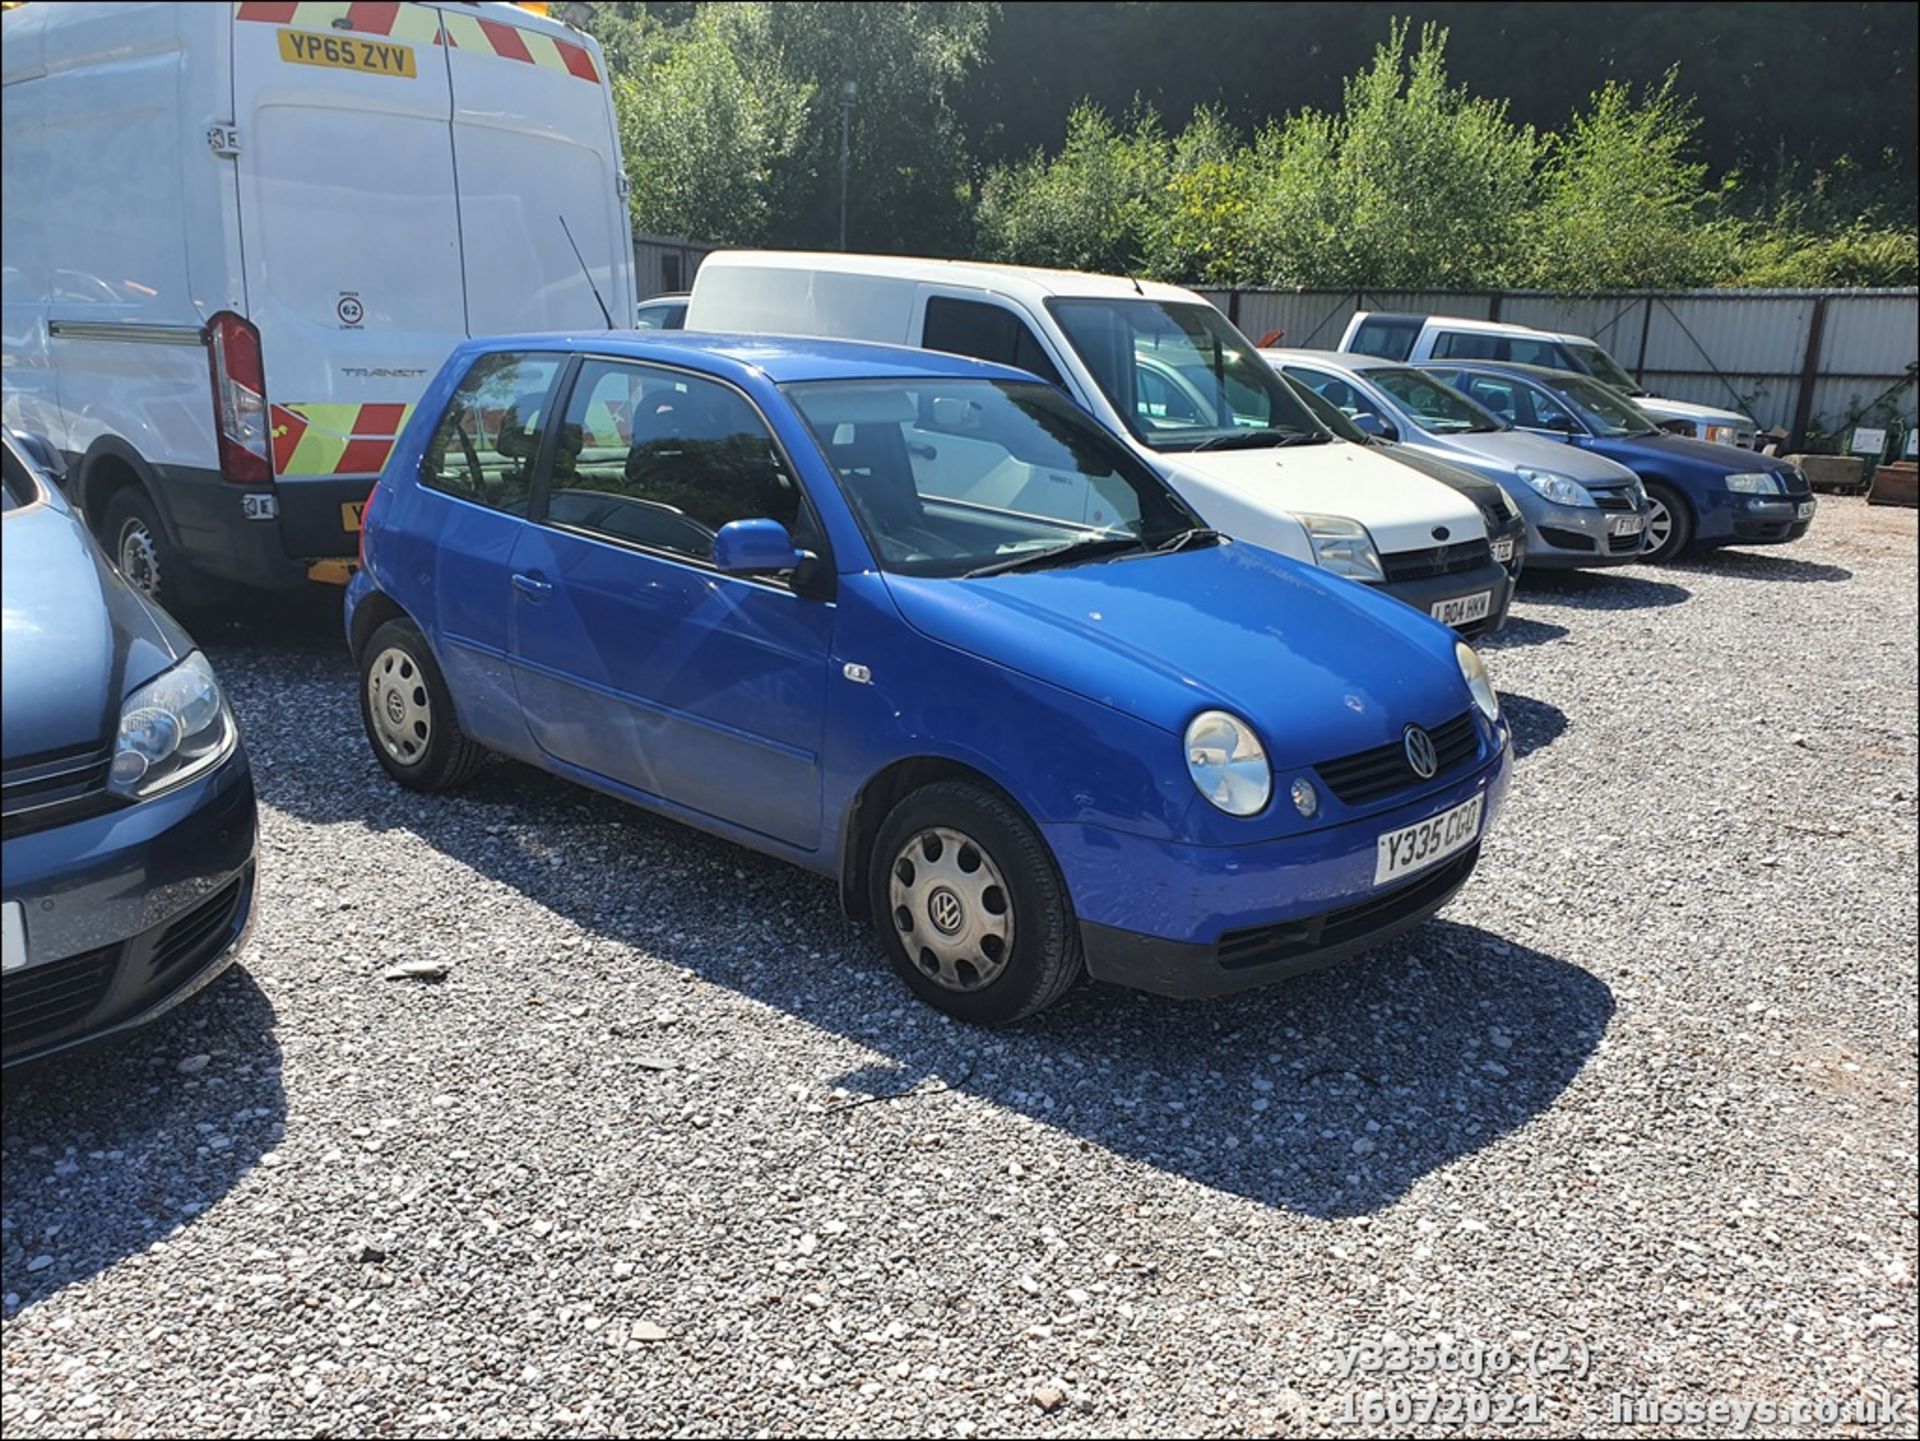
(1416, 339)
(241, 238)
(1162, 367)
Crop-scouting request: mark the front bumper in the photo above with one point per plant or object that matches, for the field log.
(128, 913)
(1184, 920)
(1727, 519)
(1429, 591)
(1567, 537)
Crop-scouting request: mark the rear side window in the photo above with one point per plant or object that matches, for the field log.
(1549, 353)
(985, 332)
(662, 459)
(1389, 339)
(1469, 345)
(1331, 389)
(484, 448)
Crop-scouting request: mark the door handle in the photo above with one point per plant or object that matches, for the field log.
(532, 586)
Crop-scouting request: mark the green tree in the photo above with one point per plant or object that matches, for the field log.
(1089, 207)
(1623, 201)
(711, 132)
(1414, 183)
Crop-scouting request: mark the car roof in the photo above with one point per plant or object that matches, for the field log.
(783, 359)
(1339, 359)
(1030, 282)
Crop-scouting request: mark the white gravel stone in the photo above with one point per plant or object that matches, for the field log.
(1698, 1163)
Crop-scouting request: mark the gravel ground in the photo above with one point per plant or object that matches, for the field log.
(669, 1150)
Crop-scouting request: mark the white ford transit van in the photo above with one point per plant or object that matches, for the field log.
(240, 238)
(1163, 368)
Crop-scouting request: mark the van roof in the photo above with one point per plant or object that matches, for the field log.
(1026, 282)
(783, 359)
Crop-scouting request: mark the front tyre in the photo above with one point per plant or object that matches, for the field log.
(1669, 524)
(970, 906)
(408, 712)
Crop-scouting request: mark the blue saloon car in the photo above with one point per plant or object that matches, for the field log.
(919, 624)
(129, 807)
(1701, 494)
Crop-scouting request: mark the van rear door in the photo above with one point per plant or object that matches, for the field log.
(534, 144)
(350, 238)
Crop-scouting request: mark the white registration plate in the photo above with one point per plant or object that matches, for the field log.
(13, 938)
(1464, 609)
(1416, 847)
(1503, 550)
(1803, 511)
(1629, 524)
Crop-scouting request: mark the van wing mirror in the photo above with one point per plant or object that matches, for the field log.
(1373, 425)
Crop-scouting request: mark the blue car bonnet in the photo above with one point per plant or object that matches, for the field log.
(77, 637)
(1321, 666)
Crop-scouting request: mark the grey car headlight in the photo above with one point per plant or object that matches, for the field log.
(1758, 482)
(1227, 762)
(1474, 671)
(173, 728)
(1559, 489)
(1344, 546)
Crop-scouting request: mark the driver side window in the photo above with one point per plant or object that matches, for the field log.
(663, 458)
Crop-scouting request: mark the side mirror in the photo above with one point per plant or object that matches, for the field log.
(40, 451)
(1561, 425)
(1374, 425)
(763, 547)
(754, 547)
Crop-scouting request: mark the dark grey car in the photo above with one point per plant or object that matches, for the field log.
(128, 871)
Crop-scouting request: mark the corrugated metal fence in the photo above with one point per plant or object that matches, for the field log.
(1803, 360)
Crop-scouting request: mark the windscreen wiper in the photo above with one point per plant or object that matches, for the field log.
(1196, 535)
(1265, 438)
(1067, 554)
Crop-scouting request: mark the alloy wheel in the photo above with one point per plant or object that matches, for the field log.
(1659, 525)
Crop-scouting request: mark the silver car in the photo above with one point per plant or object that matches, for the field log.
(1582, 510)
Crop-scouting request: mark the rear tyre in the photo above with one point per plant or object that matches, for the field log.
(970, 905)
(137, 544)
(408, 712)
(1669, 524)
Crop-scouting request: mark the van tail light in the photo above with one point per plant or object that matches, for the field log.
(239, 400)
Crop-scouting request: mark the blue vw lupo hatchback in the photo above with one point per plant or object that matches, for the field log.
(919, 624)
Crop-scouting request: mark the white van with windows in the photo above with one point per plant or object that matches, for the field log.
(1161, 367)
(1416, 339)
(241, 238)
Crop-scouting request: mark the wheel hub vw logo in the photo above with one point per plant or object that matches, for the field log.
(1421, 755)
(945, 911)
(396, 707)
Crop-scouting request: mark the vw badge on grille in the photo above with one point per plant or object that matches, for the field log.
(1421, 755)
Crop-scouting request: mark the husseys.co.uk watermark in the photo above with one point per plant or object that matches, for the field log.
(1624, 1409)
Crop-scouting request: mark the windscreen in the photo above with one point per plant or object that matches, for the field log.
(948, 476)
(1180, 375)
(1437, 406)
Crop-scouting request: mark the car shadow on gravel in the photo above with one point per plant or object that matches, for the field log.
(1600, 590)
(1759, 565)
(1536, 724)
(1519, 631)
(111, 1149)
(1330, 1095)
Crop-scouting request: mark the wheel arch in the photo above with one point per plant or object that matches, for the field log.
(374, 611)
(110, 466)
(860, 824)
